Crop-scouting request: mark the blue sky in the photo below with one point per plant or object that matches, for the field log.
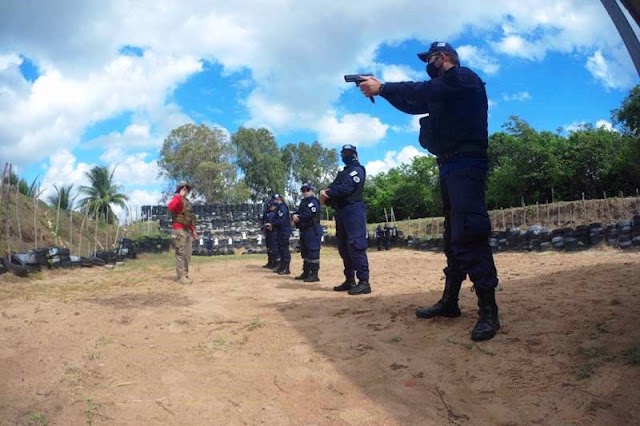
(84, 83)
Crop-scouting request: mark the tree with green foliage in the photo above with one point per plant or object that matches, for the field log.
(62, 198)
(23, 186)
(308, 163)
(628, 115)
(203, 157)
(523, 165)
(260, 160)
(101, 194)
(411, 190)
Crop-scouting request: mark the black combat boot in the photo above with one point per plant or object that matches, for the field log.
(488, 324)
(313, 273)
(269, 262)
(447, 306)
(305, 271)
(346, 285)
(276, 265)
(363, 287)
(285, 269)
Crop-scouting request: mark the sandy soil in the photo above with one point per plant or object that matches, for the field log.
(243, 346)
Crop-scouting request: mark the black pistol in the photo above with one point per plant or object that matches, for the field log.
(357, 79)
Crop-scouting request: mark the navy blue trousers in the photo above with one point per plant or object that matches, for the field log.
(271, 241)
(310, 240)
(467, 227)
(283, 244)
(351, 234)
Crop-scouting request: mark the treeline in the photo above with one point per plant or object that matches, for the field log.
(527, 166)
(247, 165)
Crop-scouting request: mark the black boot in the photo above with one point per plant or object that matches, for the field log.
(285, 269)
(346, 285)
(313, 273)
(447, 306)
(363, 287)
(276, 265)
(488, 324)
(269, 262)
(305, 271)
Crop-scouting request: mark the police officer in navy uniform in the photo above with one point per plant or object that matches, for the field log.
(455, 131)
(345, 194)
(307, 220)
(270, 235)
(281, 223)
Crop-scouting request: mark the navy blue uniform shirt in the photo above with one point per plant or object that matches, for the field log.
(457, 107)
(309, 212)
(348, 186)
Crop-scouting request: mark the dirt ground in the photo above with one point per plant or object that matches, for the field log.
(244, 346)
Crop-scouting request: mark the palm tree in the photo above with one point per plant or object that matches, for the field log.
(63, 197)
(102, 194)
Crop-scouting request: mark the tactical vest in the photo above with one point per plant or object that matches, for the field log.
(358, 194)
(186, 216)
(304, 205)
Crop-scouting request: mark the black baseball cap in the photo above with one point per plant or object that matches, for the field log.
(349, 147)
(437, 46)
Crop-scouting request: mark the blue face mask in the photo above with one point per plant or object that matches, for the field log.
(348, 159)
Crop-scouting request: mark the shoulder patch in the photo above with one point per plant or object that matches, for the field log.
(356, 179)
(310, 205)
(353, 173)
(280, 213)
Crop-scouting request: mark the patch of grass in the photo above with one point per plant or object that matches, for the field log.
(72, 375)
(90, 410)
(600, 328)
(594, 351)
(208, 349)
(594, 355)
(395, 339)
(36, 419)
(221, 343)
(255, 324)
(585, 371)
(631, 355)
(472, 346)
(103, 341)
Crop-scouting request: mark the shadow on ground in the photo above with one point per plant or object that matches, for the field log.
(565, 354)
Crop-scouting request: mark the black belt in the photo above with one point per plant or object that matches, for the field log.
(449, 156)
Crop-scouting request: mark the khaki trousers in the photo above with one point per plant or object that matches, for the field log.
(182, 240)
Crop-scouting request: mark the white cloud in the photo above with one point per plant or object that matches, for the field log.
(137, 199)
(358, 129)
(412, 126)
(295, 57)
(63, 169)
(9, 60)
(518, 96)
(574, 126)
(611, 70)
(135, 176)
(55, 110)
(477, 58)
(580, 125)
(516, 45)
(400, 73)
(131, 170)
(606, 124)
(393, 159)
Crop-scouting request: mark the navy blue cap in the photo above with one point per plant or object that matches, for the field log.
(276, 196)
(437, 46)
(308, 186)
(349, 147)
